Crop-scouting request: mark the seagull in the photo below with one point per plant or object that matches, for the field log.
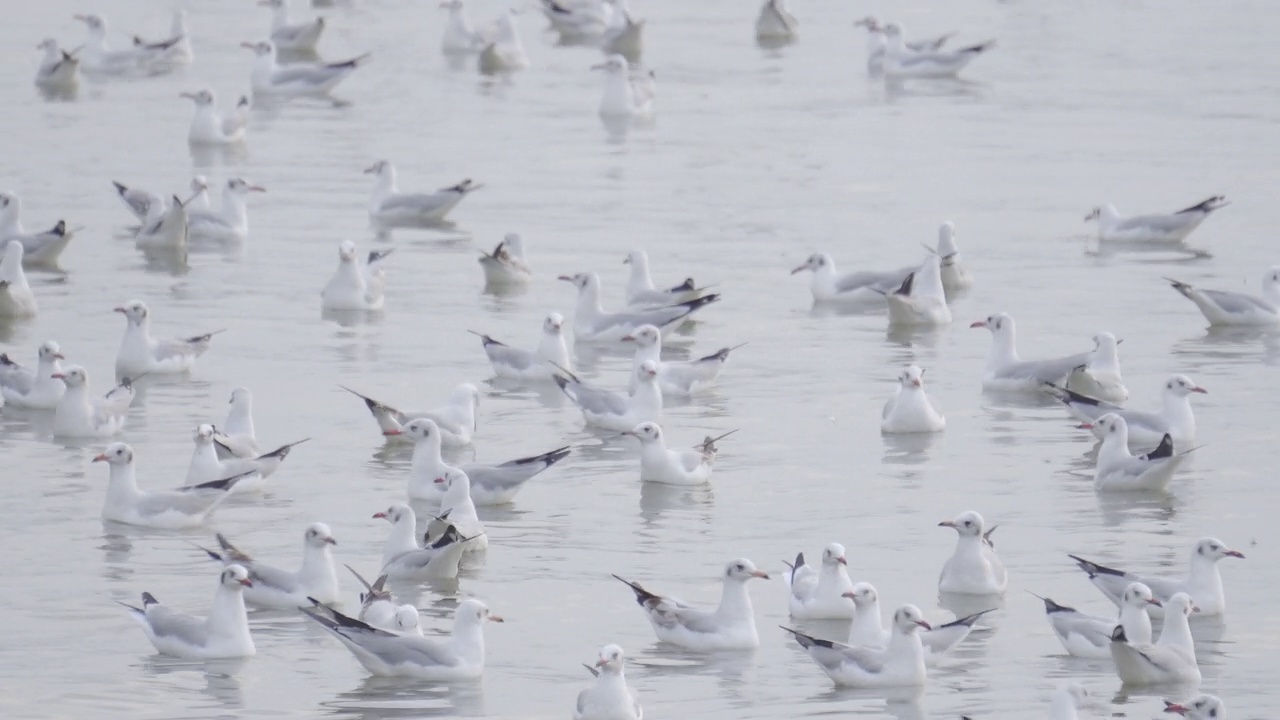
(540, 364)
(503, 53)
(1172, 659)
(16, 298)
(641, 292)
(173, 509)
(406, 621)
(98, 58)
(674, 378)
(490, 484)
(900, 663)
(610, 698)
(1100, 376)
(210, 127)
(1175, 417)
(389, 206)
(1119, 471)
(910, 410)
(730, 626)
(974, 568)
(34, 390)
(79, 415)
(459, 38)
(389, 654)
(205, 464)
(378, 606)
(506, 264)
(59, 70)
(141, 354)
(1089, 636)
(224, 634)
(457, 419)
(292, 37)
(615, 411)
(356, 285)
(625, 95)
(776, 21)
(1225, 308)
(232, 222)
(821, 594)
(1202, 581)
(583, 19)
(404, 559)
(177, 46)
(900, 62)
(592, 324)
(287, 589)
(1202, 707)
(879, 44)
(1066, 700)
(828, 285)
(956, 278)
(271, 78)
(39, 249)
(1173, 228)
(238, 438)
(867, 630)
(164, 228)
(920, 301)
(460, 509)
(625, 34)
(660, 464)
(1006, 372)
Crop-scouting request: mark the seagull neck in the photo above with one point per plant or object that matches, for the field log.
(648, 396)
(227, 616)
(77, 396)
(554, 349)
(402, 538)
(640, 279)
(1137, 623)
(904, 646)
(467, 640)
(1177, 409)
(235, 209)
(1004, 349)
(240, 420)
(1204, 582)
(138, 331)
(867, 629)
(1062, 707)
(45, 369)
(1115, 448)
(735, 603)
(205, 464)
(589, 300)
(1105, 359)
(651, 353)
(457, 502)
(426, 463)
(10, 221)
(1176, 633)
(122, 484)
(280, 17)
(317, 567)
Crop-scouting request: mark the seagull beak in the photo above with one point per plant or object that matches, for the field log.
(1175, 708)
(251, 46)
(100, 457)
(60, 376)
(59, 356)
(626, 260)
(924, 625)
(1085, 426)
(628, 338)
(330, 541)
(1155, 602)
(496, 618)
(916, 382)
(1234, 554)
(977, 324)
(565, 278)
(601, 66)
(842, 561)
(188, 95)
(947, 523)
(120, 310)
(371, 170)
(392, 432)
(1198, 389)
(439, 481)
(81, 18)
(1195, 608)
(849, 595)
(802, 268)
(601, 662)
(380, 515)
(257, 188)
(760, 574)
(246, 582)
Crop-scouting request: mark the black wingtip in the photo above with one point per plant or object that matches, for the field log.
(905, 288)
(698, 302)
(642, 595)
(1206, 206)
(1117, 635)
(968, 620)
(1093, 568)
(120, 188)
(1051, 607)
(1163, 450)
(148, 599)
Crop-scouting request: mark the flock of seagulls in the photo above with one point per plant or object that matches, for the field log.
(1138, 451)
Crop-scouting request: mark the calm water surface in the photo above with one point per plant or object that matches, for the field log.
(758, 158)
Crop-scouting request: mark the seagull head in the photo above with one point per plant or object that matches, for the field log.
(204, 434)
(579, 280)
(1213, 550)
(95, 22)
(814, 263)
(611, 658)
(396, 514)
(742, 570)
(235, 577)
(908, 619)
(1138, 595)
(1203, 707)
(645, 336)
(135, 311)
(553, 324)
(863, 594)
(911, 376)
(833, 555)
(115, 454)
(473, 611)
(1182, 386)
(202, 98)
(646, 432)
(420, 429)
(72, 376)
(968, 524)
(380, 168)
(242, 187)
(318, 535)
(262, 48)
(347, 251)
(50, 351)
(614, 65)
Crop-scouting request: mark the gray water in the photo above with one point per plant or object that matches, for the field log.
(758, 158)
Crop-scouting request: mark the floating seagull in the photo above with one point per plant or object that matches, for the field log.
(910, 410)
(98, 58)
(270, 78)
(16, 298)
(879, 44)
(956, 278)
(210, 127)
(1100, 377)
(388, 654)
(141, 354)
(59, 70)
(503, 53)
(164, 227)
(660, 464)
(223, 634)
(625, 34)
(821, 594)
(1172, 659)
(900, 663)
(1089, 636)
(457, 419)
(460, 509)
(730, 626)
(867, 630)
(288, 589)
(181, 508)
(237, 436)
(205, 464)
(1006, 372)
(1225, 308)
(389, 206)
(828, 285)
(674, 378)
(641, 292)
(356, 285)
(38, 390)
(378, 606)
(920, 301)
(1117, 470)
(1175, 418)
(79, 415)
(232, 222)
(974, 568)
(900, 62)
(490, 484)
(1202, 707)
(506, 264)
(539, 364)
(581, 19)
(40, 249)
(610, 698)
(592, 324)
(625, 95)
(404, 559)
(292, 37)
(1202, 582)
(776, 22)
(1173, 228)
(615, 411)
(459, 38)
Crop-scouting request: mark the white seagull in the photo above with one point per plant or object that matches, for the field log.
(460, 510)
(519, 364)
(378, 606)
(231, 223)
(900, 663)
(98, 58)
(660, 464)
(956, 277)
(79, 415)
(404, 559)
(901, 62)
(920, 301)
(829, 285)
(270, 78)
(974, 568)
(356, 285)
(625, 95)
(674, 377)
(610, 698)
(164, 228)
(293, 37)
(1175, 417)
(459, 38)
(1202, 582)
(173, 509)
(592, 324)
(503, 53)
(140, 353)
(867, 629)
(730, 626)
(1172, 659)
(1117, 470)
(210, 127)
(389, 206)
(1225, 308)
(59, 70)
(38, 389)
(288, 589)
(910, 410)
(506, 264)
(616, 411)
(1007, 372)
(821, 594)
(237, 436)
(1100, 377)
(223, 634)
(456, 419)
(879, 44)
(206, 465)
(16, 298)
(1089, 636)
(1172, 228)
(39, 249)
(641, 292)
(776, 22)
(1066, 700)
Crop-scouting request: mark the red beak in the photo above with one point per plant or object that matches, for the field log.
(978, 324)
(392, 432)
(380, 516)
(439, 481)
(246, 582)
(1234, 554)
(100, 457)
(1175, 708)
(842, 561)
(1198, 389)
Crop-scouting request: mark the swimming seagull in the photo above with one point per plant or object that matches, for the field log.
(1175, 418)
(59, 70)
(643, 293)
(625, 95)
(974, 568)
(900, 663)
(592, 324)
(404, 559)
(490, 484)
(378, 606)
(184, 507)
(776, 22)
(356, 285)
(231, 223)
(1099, 377)
(98, 58)
(867, 629)
(1117, 470)
(79, 415)
(389, 654)
(287, 589)
(456, 419)
(206, 465)
(1089, 636)
(821, 594)
(1172, 228)
(828, 285)
(956, 278)
(140, 353)
(674, 377)
(16, 298)
(1202, 707)
(660, 464)
(616, 411)
(879, 44)
(292, 37)
(730, 626)
(270, 78)
(503, 53)
(920, 301)
(223, 634)
(539, 364)
(237, 436)
(1006, 372)
(506, 264)
(1225, 308)
(610, 698)
(164, 228)
(210, 127)
(581, 19)
(459, 38)
(389, 206)
(1202, 582)
(460, 509)
(38, 389)
(1172, 659)
(900, 62)
(40, 249)
(910, 410)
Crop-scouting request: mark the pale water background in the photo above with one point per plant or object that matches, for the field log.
(758, 158)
